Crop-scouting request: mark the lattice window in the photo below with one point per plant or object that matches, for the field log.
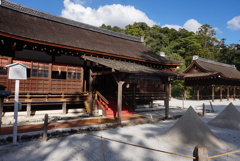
(40, 70)
(74, 73)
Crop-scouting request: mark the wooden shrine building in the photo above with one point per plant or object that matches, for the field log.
(218, 78)
(72, 63)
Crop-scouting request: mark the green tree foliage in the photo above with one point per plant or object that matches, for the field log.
(137, 29)
(206, 36)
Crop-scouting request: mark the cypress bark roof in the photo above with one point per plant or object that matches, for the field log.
(201, 67)
(30, 24)
(129, 67)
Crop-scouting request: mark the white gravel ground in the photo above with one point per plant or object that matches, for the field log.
(84, 147)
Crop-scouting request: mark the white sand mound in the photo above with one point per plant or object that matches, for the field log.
(190, 131)
(229, 118)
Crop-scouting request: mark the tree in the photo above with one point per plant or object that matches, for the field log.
(209, 43)
(137, 29)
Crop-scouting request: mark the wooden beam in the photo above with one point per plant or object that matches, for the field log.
(102, 73)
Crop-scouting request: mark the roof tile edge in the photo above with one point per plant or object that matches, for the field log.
(195, 57)
(33, 12)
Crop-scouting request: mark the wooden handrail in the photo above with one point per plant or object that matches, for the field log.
(98, 94)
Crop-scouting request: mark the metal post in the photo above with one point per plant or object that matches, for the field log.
(15, 111)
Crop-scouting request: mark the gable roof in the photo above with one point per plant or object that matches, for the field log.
(211, 68)
(27, 24)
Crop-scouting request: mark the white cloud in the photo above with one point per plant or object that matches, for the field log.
(190, 25)
(234, 23)
(114, 15)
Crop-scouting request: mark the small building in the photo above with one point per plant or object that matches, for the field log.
(72, 63)
(219, 79)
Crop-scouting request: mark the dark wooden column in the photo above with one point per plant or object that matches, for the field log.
(170, 91)
(198, 88)
(133, 97)
(119, 102)
(90, 99)
(213, 93)
(1, 110)
(234, 93)
(220, 90)
(228, 93)
(166, 101)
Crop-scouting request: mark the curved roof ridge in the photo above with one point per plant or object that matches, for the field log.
(30, 11)
(196, 58)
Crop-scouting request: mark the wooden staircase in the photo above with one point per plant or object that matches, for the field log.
(109, 107)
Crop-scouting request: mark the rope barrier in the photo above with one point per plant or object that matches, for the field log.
(215, 156)
(143, 147)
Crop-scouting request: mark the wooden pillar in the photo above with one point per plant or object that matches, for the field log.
(119, 102)
(234, 93)
(185, 93)
(64, 108)
(90, 99)
(213, 93)
(166, 101)
(29, 111)
(220, 90)
(198, 93)
(239, 94)
(134, 96)
(227, 93)
(170, 91)
(45, 128)
(1, 111)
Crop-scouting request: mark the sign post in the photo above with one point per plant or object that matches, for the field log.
(17, 71)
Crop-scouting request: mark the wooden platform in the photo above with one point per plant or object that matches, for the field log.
(66, 124)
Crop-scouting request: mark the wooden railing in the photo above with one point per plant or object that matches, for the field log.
(101, 101)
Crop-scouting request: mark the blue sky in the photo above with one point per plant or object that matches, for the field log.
(222, 15)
